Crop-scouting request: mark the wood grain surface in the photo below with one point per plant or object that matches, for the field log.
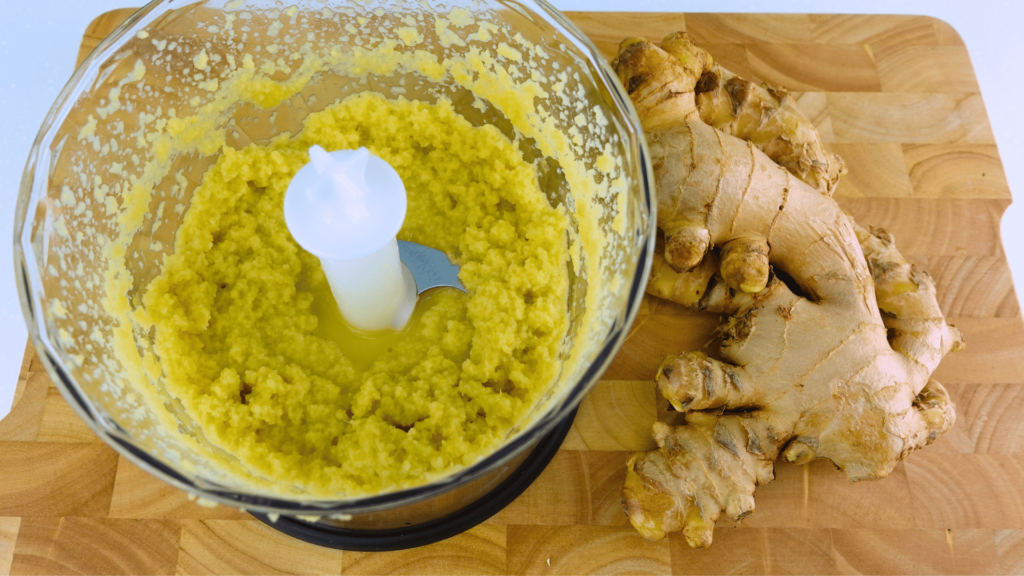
(897, 97)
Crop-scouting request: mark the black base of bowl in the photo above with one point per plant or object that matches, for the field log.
(331, 536)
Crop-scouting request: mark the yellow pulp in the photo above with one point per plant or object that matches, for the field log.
(246, 340)
(363, 347)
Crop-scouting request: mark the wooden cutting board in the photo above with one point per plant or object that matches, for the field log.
(894, 95)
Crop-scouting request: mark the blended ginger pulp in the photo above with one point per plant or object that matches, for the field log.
(248, 335)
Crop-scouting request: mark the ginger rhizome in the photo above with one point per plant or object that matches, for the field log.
(830, 336)
(763, 115)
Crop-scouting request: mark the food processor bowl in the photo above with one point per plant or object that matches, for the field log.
(86, 249)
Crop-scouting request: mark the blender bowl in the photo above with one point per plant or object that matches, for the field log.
(118, 157)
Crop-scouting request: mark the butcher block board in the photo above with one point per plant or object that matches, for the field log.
(896, 96)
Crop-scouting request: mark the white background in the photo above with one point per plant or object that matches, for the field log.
(41, 38)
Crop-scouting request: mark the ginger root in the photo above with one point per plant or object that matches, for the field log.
(831, 336)
(763, 116)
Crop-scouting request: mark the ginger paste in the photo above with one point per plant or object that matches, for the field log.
(235, 308)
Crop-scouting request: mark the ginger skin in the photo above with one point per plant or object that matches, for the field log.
(763, 115)
(841, 371)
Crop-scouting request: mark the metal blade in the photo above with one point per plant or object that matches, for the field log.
(430, 268)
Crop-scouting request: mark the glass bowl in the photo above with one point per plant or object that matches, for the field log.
(114, 127)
